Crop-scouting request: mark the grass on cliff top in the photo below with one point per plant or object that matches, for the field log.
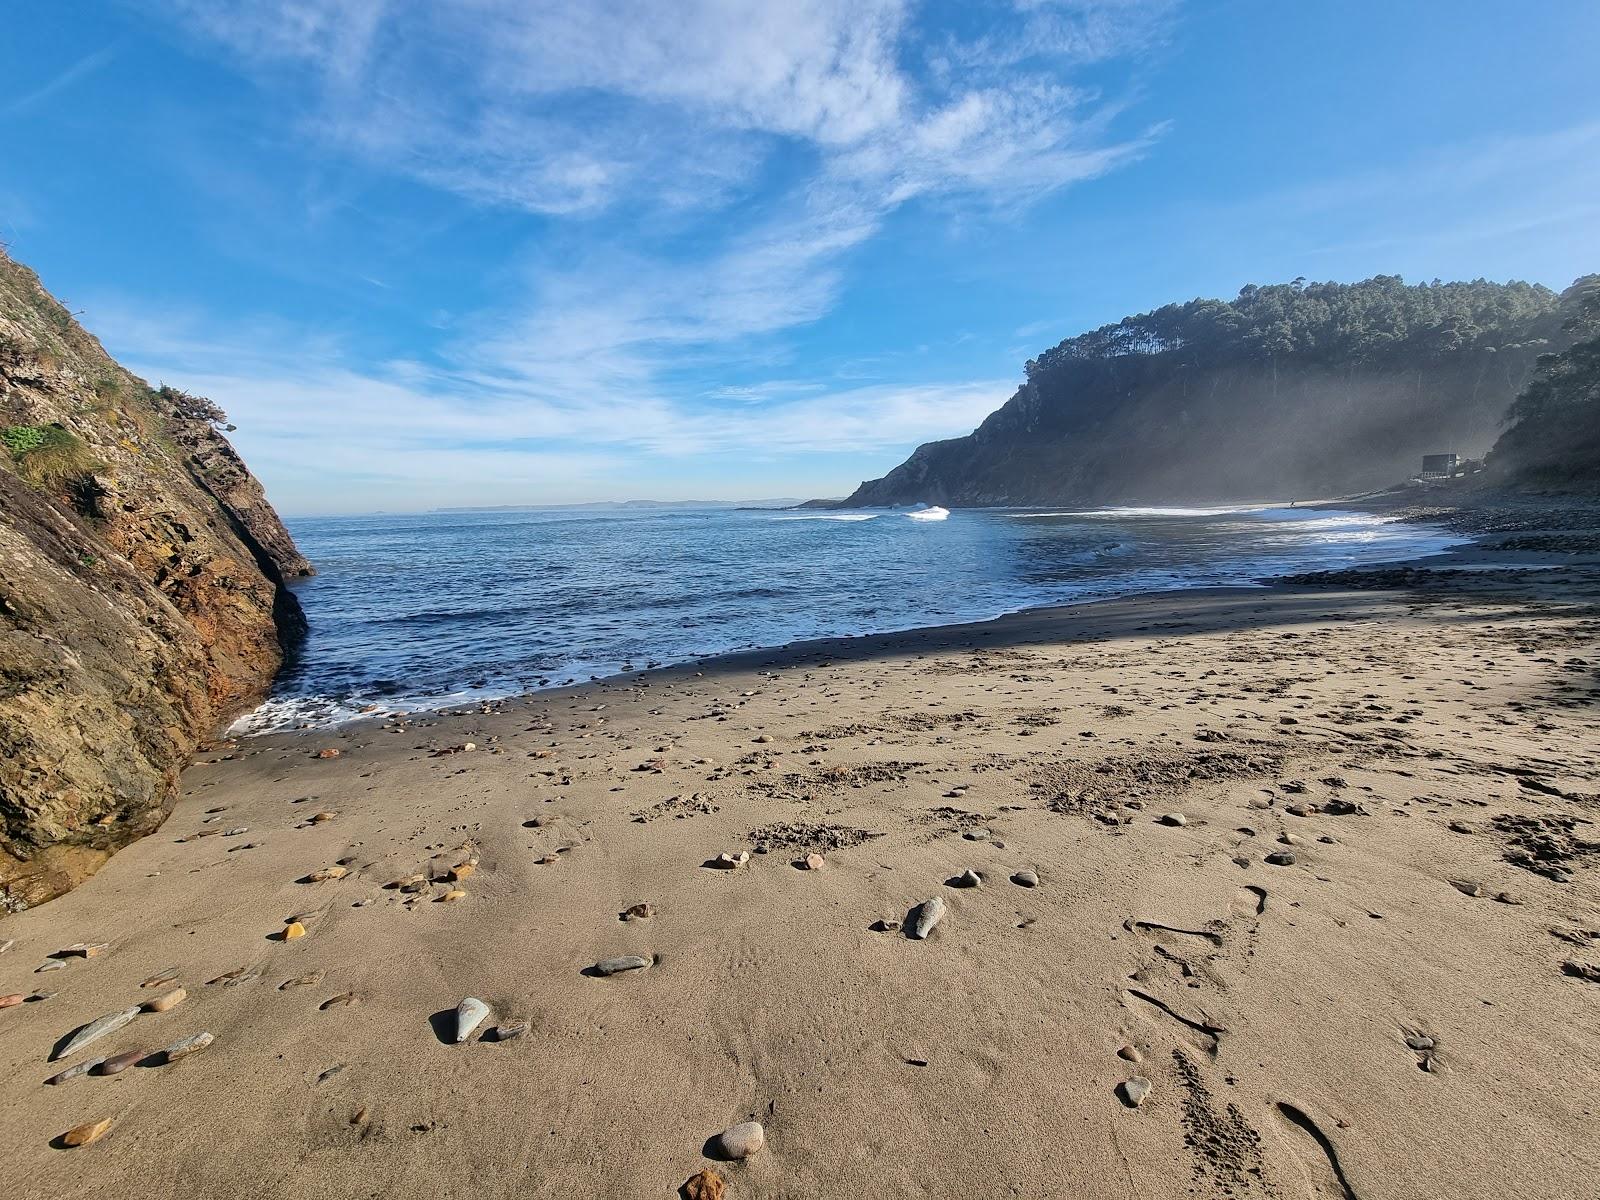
(47, 455)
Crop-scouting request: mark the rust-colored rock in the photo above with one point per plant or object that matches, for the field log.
(704, 1185)
(143, 575)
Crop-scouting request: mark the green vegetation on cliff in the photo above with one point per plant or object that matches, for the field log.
(1554, 436)
(1289, 390)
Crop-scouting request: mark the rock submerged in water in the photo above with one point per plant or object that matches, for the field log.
(470, 1013)
(924, 917)
(742, 1140)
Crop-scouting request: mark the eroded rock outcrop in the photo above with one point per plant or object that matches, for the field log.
(142, 594)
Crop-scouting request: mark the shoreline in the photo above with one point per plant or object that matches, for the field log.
(1314, 862)
(235, 730)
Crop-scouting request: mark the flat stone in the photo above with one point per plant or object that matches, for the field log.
(470, 1013)
(54, 964)
(1174, 818)
(166, 1001)
(1282, 858)
(1468, 887)
(319, 818)
(1130, 1054)
(616, 966)
(322, 875)
(293, 930)
(121, 1062)
(12, 1000)
(1025, 879)
(83, 950)
(924, 917)
(82, 1135)
(186, 1046)
(97, 1029)
(1134, 1090)
(742, 1141)
(75, 1072)
(452, 896)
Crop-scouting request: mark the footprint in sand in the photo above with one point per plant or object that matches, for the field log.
(1249, 901)
(1315, 1154)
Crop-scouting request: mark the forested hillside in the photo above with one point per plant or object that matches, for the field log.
(1554, 438)
(1292, 390)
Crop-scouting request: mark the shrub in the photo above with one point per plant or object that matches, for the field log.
(48, 455)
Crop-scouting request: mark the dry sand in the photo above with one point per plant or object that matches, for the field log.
(1392, 1014)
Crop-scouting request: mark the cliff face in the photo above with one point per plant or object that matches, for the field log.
(142, 597)
(1288, 392)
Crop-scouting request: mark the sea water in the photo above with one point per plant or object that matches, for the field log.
(430, 610)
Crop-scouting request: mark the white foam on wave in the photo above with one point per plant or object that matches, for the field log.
(828, 517)
(931, 513)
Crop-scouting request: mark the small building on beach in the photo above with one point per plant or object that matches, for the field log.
(1440, 466)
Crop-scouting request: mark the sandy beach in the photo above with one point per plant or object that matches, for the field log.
(1282, 892)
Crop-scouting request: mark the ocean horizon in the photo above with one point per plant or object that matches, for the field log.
(414, 612)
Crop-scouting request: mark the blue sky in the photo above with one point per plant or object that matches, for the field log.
(507, 251)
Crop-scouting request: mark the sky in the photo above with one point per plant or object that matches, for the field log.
(456, 252)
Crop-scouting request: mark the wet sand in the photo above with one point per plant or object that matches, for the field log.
(1315, 863)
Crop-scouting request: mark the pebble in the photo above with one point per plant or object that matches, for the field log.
(742, 1140)
(814, 862)
(84, 1134)
(511, 1029)
(1135, 1090)
(1282, 858)
(886, 925)
(327, 754)
(1025, 879)
(83, 949)
(70, 1073)
(120, 1062)
(14, 999)
(326, 873)
(54, 964)
(452, 896)
(186, 1046)
(293, 930)
(616, 966)
(96, 1029)
(1419, 1041)
(1468, 887)
(1174, 818)
(730, 862)
(461, 870)
(967, 879)
(638, 912)
(470, 1013)
(319, 818)
(1130, 1054)
(924, 917)
(167, 1000)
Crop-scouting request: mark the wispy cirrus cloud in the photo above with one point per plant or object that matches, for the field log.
(712, 167)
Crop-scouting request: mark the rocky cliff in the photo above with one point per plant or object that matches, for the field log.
(1293, 390)
(142, 594)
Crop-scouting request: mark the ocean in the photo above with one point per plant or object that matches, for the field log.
(431, 610)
